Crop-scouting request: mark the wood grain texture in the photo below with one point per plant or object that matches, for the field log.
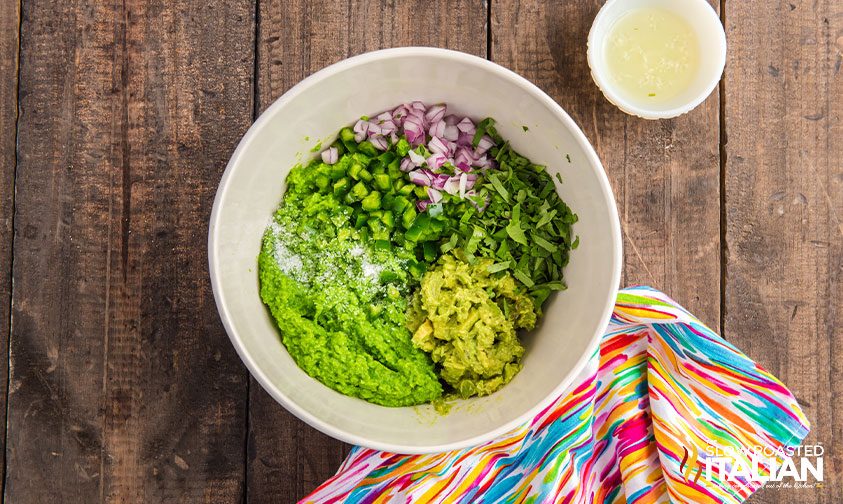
(288, 459)
(784, 206)
(124, 387)
(9, 38)
(665, 174)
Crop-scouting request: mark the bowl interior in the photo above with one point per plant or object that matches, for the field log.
(254, 182)
(710, 35)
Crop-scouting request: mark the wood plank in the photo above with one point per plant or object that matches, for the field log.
(9, 38)
(784, 207)
(296, 38)
(665, 174)
(124, 387)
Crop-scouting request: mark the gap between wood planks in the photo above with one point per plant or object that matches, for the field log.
(247, 431)
(12, 245)
(724, 138)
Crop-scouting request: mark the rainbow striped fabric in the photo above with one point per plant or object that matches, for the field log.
(662, 396)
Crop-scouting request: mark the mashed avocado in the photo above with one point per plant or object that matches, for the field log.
(467, 318)
(339, 302)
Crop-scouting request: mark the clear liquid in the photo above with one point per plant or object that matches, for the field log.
(652, 54)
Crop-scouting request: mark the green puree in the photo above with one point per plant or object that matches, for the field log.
(339, 302)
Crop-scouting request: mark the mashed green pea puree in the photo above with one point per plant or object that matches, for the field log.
(339, 303)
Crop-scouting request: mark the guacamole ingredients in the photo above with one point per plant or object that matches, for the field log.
(450, 160)
(467, 319)
(414, 220)
(522, 224)
(440, 154)
(339, 301)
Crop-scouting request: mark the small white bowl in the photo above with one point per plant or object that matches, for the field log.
(712, 39)
(316, 108)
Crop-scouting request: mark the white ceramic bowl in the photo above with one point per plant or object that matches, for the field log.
(712, 39)
(252, 186)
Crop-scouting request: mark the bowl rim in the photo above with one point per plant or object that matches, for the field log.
(603, 82)
(401, 52)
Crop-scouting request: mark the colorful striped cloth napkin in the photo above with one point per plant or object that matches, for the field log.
(662, 395)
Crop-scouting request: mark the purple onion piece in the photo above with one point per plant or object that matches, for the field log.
(435, 113)
(452, 186)
(418, 177)
(451, 120)
(464, 139)
(437, 129)
(436, 145)
(416, 158)
(485, 144)
(361, 126)
(330, 156)
(374, 129)
(463, 181)
(434, 195)
(435, 161)
(467, 126)
(379, 142)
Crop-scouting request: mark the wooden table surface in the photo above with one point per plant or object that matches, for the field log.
(116, 122)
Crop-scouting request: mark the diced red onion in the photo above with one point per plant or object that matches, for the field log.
(451, 133)
(400, 112)
(414, 130)
(434, 195)
(387, 127)
(437, 145)
(452, 186)
(439, 181)
(467, 126)
(465, 139)
(451, 138)
(361, 126)
(451, 120)
(483, 162)
(412, 120)
(435, 113)
(416, 158)
(435, 161)
(418, 177)
(374, 129)
(437, 129)
(330, 156)
(414, 135)
(485, 144)
(379, 142)
(464, 156)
